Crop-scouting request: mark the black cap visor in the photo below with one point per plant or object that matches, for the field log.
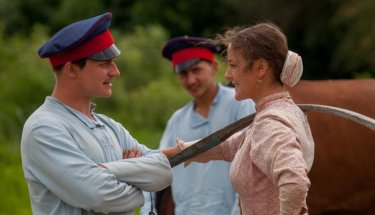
(185, 65)
(107, 54)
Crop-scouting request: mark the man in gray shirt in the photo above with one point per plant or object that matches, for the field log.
(76, 161)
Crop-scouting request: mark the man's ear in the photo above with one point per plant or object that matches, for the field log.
(215, 66)
(71, 70)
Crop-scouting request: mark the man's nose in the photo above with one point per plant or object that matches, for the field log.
(190, 78)
(115, 71)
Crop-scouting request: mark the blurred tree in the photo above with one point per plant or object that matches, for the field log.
(24, 81)
(181, 17)
(69, 11)
(334, 37)
(20, 15)
(355, 53)
(141, 60)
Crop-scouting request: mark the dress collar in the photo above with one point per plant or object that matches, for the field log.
(262, 103)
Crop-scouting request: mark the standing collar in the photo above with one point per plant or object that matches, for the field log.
(262, 103)
(197, 119)
(219, 93)
(78, 114)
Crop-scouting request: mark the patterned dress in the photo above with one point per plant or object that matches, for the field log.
(270, 159)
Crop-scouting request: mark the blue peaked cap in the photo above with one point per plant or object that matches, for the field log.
(76, 35)
(185, 51)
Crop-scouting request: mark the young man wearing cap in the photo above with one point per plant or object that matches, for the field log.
(200, 188)
(76, 161)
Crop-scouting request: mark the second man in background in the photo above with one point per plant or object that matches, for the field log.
(200, 188)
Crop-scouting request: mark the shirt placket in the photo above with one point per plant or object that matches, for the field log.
(106, 141)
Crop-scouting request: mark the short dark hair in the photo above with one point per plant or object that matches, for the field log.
(80, 63)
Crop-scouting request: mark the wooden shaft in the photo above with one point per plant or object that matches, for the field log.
(219, 136)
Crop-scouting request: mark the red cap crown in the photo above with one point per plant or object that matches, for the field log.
(95, 45)
(191, 53)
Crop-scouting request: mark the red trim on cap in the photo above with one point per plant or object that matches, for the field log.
(191, 53)
(95, 45)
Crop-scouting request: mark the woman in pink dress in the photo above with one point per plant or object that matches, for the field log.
(270, 158)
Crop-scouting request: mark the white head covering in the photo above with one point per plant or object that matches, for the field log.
(292, 69)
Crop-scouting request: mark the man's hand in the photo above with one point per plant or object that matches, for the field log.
(133, 153)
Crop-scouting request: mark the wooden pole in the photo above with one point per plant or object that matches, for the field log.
(219, 136)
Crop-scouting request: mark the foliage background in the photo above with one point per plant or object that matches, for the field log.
(334, 37)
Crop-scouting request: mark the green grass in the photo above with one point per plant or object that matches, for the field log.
(13, 188)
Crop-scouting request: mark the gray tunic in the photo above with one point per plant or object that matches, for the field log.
(61, 149)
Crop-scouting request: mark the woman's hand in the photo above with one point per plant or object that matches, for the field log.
(180, 146)
(183, 145)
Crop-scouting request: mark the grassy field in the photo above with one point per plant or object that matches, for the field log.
(13, 189)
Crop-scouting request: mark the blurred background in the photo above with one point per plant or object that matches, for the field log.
(336, 39)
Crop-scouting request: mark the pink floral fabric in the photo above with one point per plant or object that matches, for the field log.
(270, 159)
